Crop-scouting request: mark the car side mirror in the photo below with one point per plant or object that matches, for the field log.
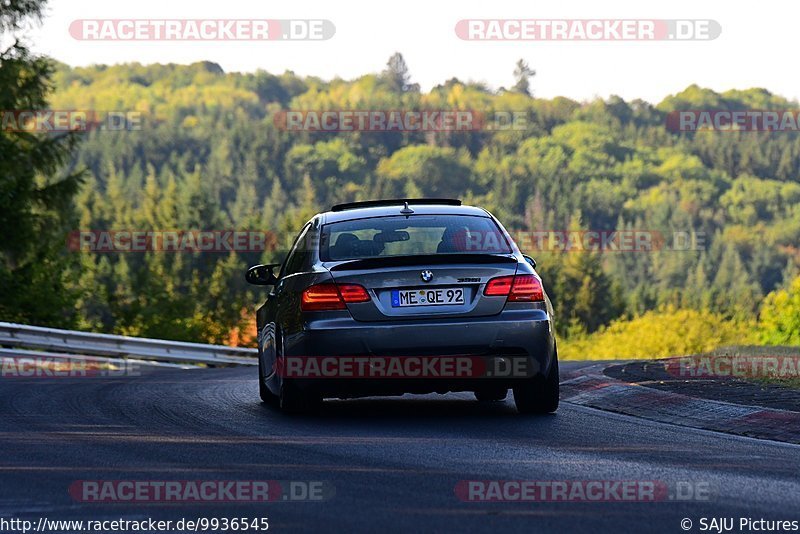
(262, 275)
(530, 260)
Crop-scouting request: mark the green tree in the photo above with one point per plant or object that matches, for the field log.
(523, 74)
(435, 171)
(780, 316)
(397, 76)
(35, 193)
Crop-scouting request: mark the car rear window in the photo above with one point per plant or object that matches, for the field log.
(411, 235)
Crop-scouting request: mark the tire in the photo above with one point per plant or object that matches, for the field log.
(491, 395)
(292, 400)
(539, 395)
(267, 397)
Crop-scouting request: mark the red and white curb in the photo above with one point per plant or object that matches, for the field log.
(593, 389)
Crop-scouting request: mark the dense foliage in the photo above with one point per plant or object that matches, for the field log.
(36, 189)
(659, 334)
(780, 316)
(210, 156)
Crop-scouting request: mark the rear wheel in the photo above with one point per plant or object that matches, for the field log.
(491, 395)
(266, 395)
(539, 395)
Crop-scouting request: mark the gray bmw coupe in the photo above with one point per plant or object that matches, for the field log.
(404, 296)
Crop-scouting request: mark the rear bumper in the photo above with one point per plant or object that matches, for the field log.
(503, 349)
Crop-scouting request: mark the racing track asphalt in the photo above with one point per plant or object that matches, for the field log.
(394, 462)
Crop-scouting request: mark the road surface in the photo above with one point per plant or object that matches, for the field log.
(394, 463)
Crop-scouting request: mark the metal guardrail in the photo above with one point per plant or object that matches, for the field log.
(87, 343)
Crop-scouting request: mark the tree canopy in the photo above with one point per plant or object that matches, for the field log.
(211, 154)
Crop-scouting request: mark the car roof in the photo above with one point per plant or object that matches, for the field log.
(384, 211)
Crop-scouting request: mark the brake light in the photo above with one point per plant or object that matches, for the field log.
(353, 293)
(499, 287)
(521, 288)
(526, 288)
(323, 297)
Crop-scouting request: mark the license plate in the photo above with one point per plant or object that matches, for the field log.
(427, 297)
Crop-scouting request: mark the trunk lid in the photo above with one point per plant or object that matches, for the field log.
(398, 291)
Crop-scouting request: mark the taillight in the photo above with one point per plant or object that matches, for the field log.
(499, 287)
(353, 293)
(526, 288)
(520, 288)
(322, 297)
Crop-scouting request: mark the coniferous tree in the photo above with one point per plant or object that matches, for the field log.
(35, 187)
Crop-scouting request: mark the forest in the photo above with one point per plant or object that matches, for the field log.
(210, 153)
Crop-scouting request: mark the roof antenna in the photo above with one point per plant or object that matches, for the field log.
(406, 210)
